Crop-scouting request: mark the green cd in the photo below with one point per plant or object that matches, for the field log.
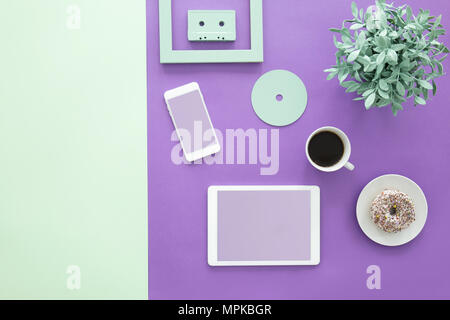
(279, 98)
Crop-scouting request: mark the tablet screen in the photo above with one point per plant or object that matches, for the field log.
(263, 225)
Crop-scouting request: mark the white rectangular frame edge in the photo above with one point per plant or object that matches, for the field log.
(212, 226)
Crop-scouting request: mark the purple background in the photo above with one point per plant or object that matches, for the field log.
(416, 144)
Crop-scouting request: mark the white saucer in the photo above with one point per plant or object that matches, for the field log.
(375, 187)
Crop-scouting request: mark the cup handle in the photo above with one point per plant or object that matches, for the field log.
(349, 166)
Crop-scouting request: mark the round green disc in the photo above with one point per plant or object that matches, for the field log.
(279, 98)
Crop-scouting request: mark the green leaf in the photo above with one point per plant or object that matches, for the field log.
(393, 34)
(356, 26)
(370, 67)
(381, 57)
(408, 13)
(425, 84)
(332, 75)
(380, 69)
(434, 88)
(392, 56)
(347, 84)
(354, 87)
(383, 85)
(424, 57)
(368, 92)
(364, 60)
(400, 88)
(396, 107)
(342, 75)
(383, 94)
(439, 66)
(437, 22)
(425, 94)
(398, 47)
(361, 39)
(406, 78)
(406, 64)
(420, 100)
(435, 43)
(352, 57)
(381, 42)
(370, 100)
(354, 10)
(410, 94)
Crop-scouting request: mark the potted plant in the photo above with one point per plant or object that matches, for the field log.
(390, 54)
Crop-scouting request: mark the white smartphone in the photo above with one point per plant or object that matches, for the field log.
(192, 123)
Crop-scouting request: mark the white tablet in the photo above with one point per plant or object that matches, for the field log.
(263, 225)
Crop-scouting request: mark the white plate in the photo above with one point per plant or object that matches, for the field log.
(375, 187)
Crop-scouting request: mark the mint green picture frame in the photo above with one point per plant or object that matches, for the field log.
(253, 55)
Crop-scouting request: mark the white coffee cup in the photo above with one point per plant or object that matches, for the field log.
(343, 162)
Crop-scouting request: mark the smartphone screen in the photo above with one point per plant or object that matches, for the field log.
(192, 122)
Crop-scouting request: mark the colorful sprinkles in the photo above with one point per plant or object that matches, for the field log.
(392, 211)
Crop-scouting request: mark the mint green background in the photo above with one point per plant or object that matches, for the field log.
(73, 149)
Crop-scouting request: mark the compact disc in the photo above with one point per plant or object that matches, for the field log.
(279, 97)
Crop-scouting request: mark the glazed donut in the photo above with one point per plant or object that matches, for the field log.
(392, 211)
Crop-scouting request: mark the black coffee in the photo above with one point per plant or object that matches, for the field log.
(326, 149)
